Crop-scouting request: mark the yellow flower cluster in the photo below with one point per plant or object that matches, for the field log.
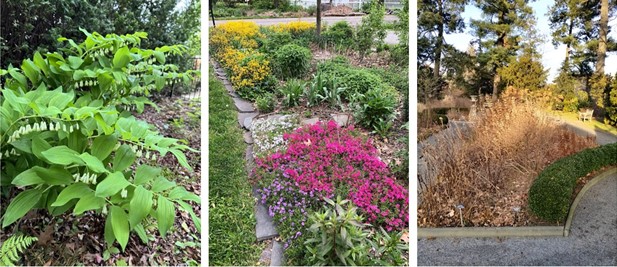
(294, 27)
(250, 72)
(239, 34)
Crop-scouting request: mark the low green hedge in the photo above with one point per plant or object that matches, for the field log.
(550, 194)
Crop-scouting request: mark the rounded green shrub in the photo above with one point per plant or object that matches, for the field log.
(376, 106)
(339, 34)
(292, 61)
(266, 102)
(550, 194)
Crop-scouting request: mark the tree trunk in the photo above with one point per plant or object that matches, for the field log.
(438, 45)
(318, 29)
(568, 46)
(603, 36)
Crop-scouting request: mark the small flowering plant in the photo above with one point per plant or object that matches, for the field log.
(323, 161)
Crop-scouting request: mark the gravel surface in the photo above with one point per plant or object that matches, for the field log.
(592, 240)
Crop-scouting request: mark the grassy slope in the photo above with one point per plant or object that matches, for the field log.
(572, 116)
(232, 221)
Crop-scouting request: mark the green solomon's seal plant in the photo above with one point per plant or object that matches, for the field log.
(69, 144)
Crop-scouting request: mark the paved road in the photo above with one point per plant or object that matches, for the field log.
(585, 129)
(592, 240)
(391, 37)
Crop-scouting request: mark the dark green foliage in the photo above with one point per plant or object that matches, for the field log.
(525, 72)
(274, 40)
(610, 97)
(231, 221)
(291, 61)
(550, 194)
(35, 25)
(355, 80)
(376, 106)
(568, 92)
(340, 35)
(399, 78)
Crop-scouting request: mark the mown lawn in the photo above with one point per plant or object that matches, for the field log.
(232, 221)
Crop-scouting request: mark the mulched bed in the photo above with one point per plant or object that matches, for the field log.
(70, 240)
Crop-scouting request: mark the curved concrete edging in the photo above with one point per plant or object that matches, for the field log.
(525, 231)
(598, 178)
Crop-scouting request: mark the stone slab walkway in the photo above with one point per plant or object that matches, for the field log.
(592, 240)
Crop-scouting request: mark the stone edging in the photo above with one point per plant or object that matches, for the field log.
(525, 231)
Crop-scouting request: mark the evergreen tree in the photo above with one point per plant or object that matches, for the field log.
(499, 32)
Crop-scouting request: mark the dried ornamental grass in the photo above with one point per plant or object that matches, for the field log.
(489, 168)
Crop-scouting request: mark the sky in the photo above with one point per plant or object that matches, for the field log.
(551, 57)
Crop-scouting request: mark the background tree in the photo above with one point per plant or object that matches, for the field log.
(499, 31)
(436, 18)
(34, 25)
(524, 72)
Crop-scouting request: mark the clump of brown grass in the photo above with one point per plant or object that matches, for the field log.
(489, 168)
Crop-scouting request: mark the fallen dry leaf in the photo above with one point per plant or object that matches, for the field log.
(46, 235)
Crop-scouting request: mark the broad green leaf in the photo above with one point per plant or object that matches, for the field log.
(61, 100)
(111, 185)
(18, 76)
(103, 145)
(62, 155)
(177, 193)
(73, 191)
(165, 215)
(161, 184)
(102, 124)
(88, 202)
(141, 232)
(23, 144)
(109, 232)
(145, 173)
(20, 205)
(140, 205)
(78, 75)
(93, 163)
(31, 71)
(160, 56)
(181, 158)
(196, 220)
(39, 145)
(75, 62)
(121, 58)
(120, 225)
(28, 177)
(55, 175)
(124, 158)
(41, 63)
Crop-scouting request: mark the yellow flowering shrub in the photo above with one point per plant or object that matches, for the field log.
(295, 27)
(237, 34)
(251, 71)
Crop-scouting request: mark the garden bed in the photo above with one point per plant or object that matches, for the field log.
(328, 127)
(483, 178)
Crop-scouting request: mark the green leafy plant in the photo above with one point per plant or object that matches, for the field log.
(292, 92)
(340, 34)
(382, 127)
(312, 91)
(266, 102)
(332, 94)
(69, 141)
(338, 237)
(291, 61)
(13, 246)
(371, 31)
(375, 106)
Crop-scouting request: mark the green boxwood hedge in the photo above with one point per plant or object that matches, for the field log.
(550, 194)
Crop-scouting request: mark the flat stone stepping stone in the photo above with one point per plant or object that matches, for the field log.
(248, 138)
(265, 226)
(243, 116)
(248, 122)
(340, 119)
(243, 105)
(248, 157)
(309, 121)
(233, 94)
(277, 256)
(228, 87)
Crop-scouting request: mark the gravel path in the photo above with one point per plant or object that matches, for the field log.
(592, 241)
